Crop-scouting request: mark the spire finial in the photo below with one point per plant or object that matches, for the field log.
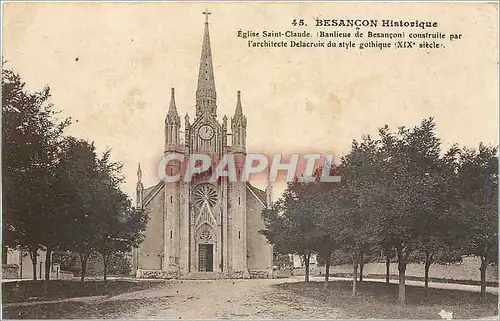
(206, 13)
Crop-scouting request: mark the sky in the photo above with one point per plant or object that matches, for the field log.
(110, 67)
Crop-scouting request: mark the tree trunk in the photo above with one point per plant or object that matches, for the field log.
(387, 266)
(427, 266)
(21, 264)
(327, 269)
(83, 266)
(402, 279)
(307, 256)
(34, 261)
(482, 269)
(105, 263)
(48, 263)
(354, 273)
(361, 266)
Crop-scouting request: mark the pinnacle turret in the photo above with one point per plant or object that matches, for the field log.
(239, 109)
(139, 188)
(172, 109)
(172, 125)
(139, 173)
(239, 126)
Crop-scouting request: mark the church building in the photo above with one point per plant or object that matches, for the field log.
(203, 229)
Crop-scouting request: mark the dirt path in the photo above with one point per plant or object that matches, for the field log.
(223, 299)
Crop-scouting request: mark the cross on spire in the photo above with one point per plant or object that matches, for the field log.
(206, 13)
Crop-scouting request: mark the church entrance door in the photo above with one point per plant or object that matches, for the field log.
(206, 258)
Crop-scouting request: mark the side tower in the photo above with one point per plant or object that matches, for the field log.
(139, 197)
(237, 207)
(172, 190)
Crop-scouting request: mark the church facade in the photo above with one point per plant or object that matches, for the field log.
(203, 229)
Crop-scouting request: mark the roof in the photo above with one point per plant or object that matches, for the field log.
(151, 191)
(260, 194)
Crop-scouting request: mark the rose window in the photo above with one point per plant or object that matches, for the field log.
(205, 194)
(205, 235)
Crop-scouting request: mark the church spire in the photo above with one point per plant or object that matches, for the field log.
(205, 93)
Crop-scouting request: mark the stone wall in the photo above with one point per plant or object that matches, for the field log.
(64, 275)
(10, 271)
(156, 274)
(242, 274)
(467, 270)
(261, 274)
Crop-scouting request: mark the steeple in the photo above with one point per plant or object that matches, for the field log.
(205, 93)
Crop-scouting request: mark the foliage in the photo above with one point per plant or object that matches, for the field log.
(398, 192)
(59, 194)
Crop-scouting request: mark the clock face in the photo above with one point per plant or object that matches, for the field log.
(206, 132)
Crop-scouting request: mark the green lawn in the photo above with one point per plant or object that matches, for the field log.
(379, 300)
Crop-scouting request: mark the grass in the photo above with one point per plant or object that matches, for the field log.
(25, 291)
(74, 310)
(374, 300)
(379, 300)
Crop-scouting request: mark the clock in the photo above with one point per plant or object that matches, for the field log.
(206, 132)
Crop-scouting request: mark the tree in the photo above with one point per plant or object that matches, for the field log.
(281, 260)
(120, 225)
(408, 156)
(478, 192)
(360, 188)
(79, 189)
(288, 223)
(120, 232)
(31, 142)
(439, 237)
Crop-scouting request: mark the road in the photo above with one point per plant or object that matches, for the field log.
(255, 299)
(236, 299)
